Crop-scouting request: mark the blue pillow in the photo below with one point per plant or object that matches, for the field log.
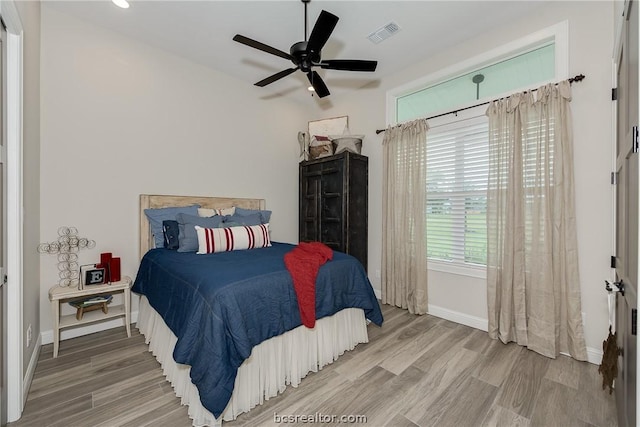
(187, 236)
(265, 216)
(156, 216)
(237, 220)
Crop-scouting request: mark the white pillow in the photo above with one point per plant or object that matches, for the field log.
(203, 212)
(211, 240)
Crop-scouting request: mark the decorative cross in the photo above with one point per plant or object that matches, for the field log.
(67, 247)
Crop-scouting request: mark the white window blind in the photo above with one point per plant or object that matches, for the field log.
(457, 171)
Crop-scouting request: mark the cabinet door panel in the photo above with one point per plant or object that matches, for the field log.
(357, 208)
(331, 216)
(332, 234)
(309, 208)
(331, 208)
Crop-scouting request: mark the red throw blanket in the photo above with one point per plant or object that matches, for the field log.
(303, 263)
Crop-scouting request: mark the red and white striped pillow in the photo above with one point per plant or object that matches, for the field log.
(212, 240)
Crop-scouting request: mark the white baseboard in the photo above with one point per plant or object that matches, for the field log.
(47, 336)
(594, 355)
(456, 316)
(28, 376)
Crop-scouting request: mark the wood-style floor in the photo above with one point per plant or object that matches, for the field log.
(415, 371)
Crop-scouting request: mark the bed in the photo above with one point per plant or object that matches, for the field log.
(237, 333)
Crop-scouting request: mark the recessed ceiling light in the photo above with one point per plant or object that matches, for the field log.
(311, 89)
(121, 3)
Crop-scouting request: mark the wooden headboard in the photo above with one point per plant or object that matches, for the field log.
(148, 201)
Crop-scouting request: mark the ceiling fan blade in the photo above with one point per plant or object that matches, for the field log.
(319, 87)
(276, 76)
(261, 46)
(321, 31)
(349, 65)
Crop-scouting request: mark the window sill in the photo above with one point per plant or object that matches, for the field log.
(479, 271)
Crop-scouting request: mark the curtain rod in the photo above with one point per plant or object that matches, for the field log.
(577, 78)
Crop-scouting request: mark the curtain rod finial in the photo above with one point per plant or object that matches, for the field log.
(577, 78)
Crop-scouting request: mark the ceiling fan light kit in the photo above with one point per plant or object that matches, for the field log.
(124, 4)
(308, 54)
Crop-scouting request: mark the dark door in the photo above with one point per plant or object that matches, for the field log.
(627, 217)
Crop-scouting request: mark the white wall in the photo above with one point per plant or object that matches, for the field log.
(591, 43)
(120, 118)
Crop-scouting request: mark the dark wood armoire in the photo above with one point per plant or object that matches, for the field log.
(333, 203)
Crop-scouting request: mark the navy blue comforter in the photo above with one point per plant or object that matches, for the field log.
(221, 305)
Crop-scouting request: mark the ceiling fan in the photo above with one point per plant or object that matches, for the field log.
(308, 53)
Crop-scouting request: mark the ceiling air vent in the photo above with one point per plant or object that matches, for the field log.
(384, 32)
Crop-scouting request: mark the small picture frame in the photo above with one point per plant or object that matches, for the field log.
(83, 274)
(94, 276)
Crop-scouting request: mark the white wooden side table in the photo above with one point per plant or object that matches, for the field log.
(61, 294)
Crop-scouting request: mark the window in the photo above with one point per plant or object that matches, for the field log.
(457, 145)
(524, 70)
(457, 168)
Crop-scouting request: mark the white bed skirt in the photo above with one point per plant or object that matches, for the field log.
(274, 364)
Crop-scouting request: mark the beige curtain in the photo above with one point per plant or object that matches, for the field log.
(404, 229)
(532, 254)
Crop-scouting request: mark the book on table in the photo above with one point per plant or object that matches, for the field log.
(86, 302)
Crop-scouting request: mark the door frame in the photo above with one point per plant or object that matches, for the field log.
(619, 18)
(15, 230)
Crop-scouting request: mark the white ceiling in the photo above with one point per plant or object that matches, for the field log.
(202, 31)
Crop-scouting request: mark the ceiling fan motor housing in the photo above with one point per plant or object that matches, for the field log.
(304, 58)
